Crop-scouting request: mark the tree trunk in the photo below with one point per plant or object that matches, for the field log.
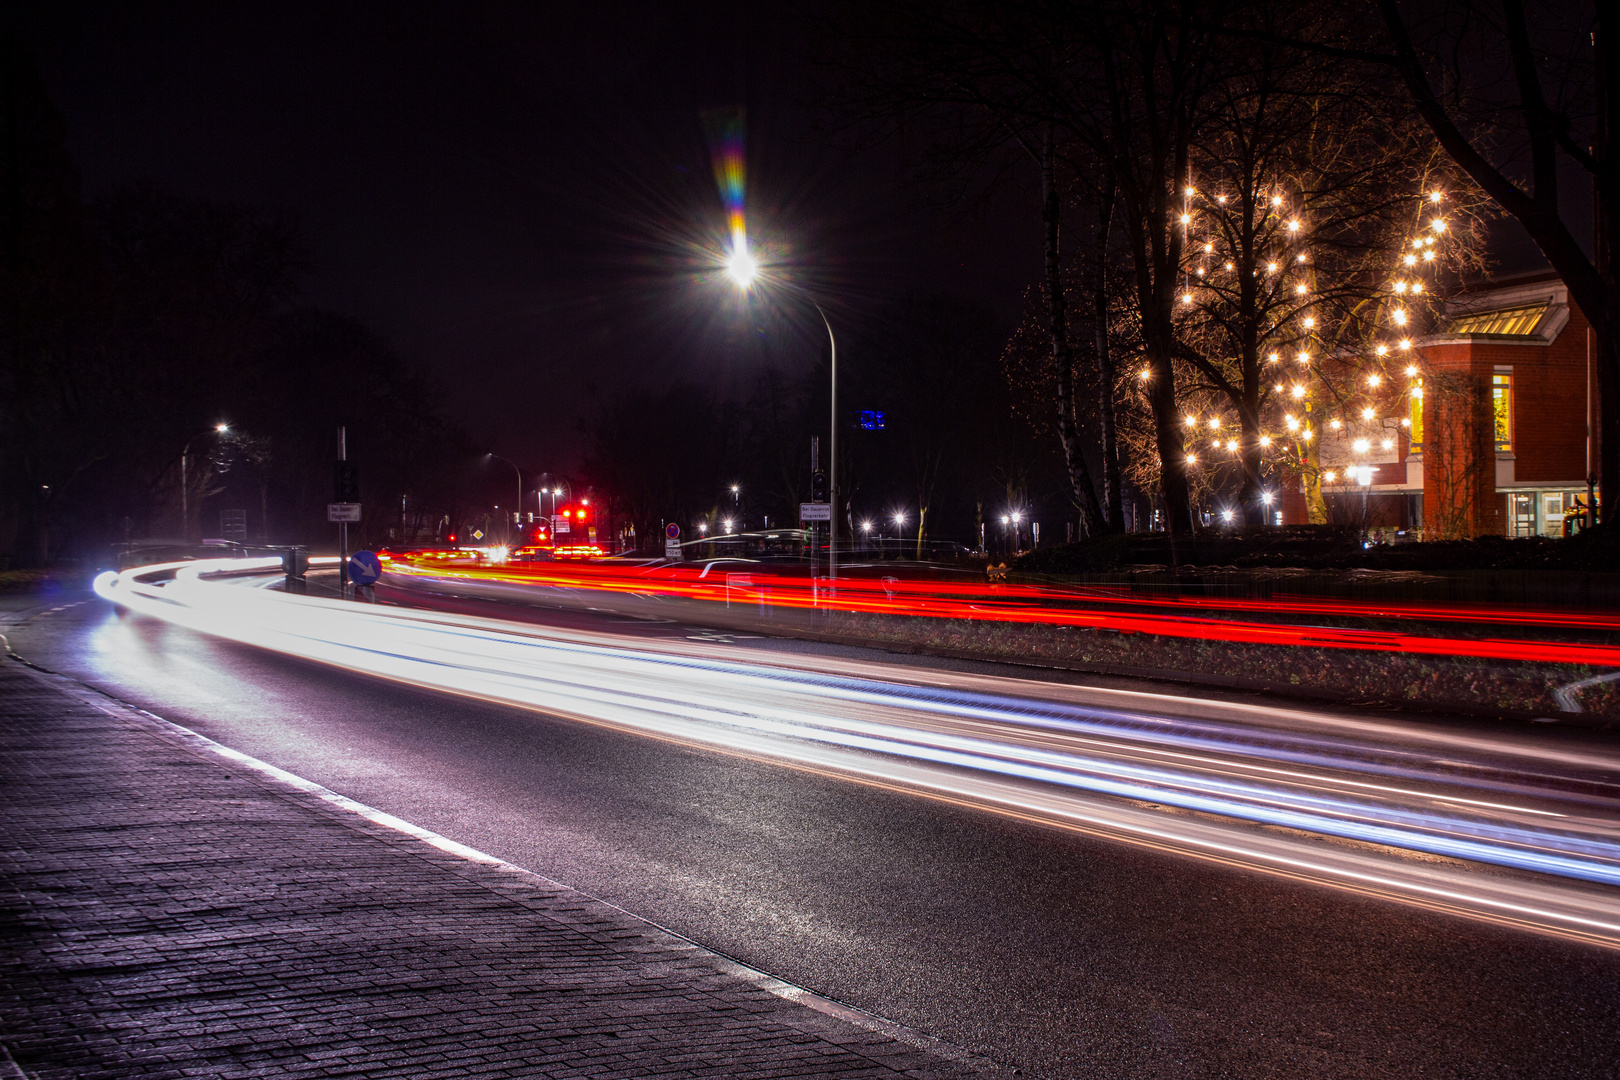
(1253, 510)
(1080, 483)
(1113, 497)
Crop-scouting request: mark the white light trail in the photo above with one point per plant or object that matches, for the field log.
(1093, 760)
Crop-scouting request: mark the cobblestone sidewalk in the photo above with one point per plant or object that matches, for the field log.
(168, 912)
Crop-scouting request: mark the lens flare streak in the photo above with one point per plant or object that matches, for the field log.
(1489, 827)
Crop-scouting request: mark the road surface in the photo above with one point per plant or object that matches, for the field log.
(1052, 949)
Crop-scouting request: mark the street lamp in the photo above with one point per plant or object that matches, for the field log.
(743, 269)
(185, 495)
(519, 511)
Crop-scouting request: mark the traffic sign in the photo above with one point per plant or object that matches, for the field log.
(815, 511)
(364, 568)
(672, 531)
(343, 511)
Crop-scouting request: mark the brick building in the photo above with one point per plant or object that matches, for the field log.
(1498, 436)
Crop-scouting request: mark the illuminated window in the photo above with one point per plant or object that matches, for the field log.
(1514, 322)
(1417, 416)
(1502, 408)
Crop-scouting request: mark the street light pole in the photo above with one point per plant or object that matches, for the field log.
(185, 494)
(743, 269)
(519, 503)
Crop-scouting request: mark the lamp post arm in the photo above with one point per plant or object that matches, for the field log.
(832, 443)
(519, 504)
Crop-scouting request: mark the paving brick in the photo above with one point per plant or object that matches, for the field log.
(166, 912)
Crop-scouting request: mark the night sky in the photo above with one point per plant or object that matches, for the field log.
(515, 195)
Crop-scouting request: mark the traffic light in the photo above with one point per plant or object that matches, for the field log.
(345, 482)
(818, 486)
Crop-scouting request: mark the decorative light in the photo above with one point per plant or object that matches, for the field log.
(1200, 271)
(1231, 444)
(1330, 476)
(1307, 435)
(1186, 298)
(1400, 318)
(1304, 357)
(1428, 255)
(1406, 343)
(1434, 196)
(1192, 459)
(1417, 286)
(1271, 268)
(1373, 380)
(1438, 225)
(1145, 374)
(1192, 421)
(1367, 413)
(1411, 371)
(1274, 357)
(1265, 440)
(1215, 423)
(1336, 425)
(1406, 421)
(1279, 388)
(1389, 444)
(1400, 288)
(1190, 191)
(1293, 226)
(1185, 218)
(1211, 247)
(1291, 424)
(1299, 391)
(1300, 289)
(1410, 260)
(1276, 200)
(1226, 515)
(1360, 446)
(1301, 257)
(1229, 266)
(1309, 322)
(1216, 443)
(1382, 350)
(1221, 199)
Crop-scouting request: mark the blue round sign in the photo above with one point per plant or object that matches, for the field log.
(364, 568)
(673, 531)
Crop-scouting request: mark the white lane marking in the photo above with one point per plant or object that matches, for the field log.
(727, 965)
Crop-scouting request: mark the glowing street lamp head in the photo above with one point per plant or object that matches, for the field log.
(742, 267)
(222, 428)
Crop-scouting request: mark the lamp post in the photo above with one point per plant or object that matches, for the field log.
(185, 494)
(743, 269)
(518, 511)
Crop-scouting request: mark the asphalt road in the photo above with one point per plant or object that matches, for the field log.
(1056, 952)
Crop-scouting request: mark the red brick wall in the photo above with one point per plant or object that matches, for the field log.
(1549, 424)
(1459, 461)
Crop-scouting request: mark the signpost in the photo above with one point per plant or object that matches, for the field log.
(365, 568)
(233, 525)
(672, 541)
(345, 505)
(815, 511)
